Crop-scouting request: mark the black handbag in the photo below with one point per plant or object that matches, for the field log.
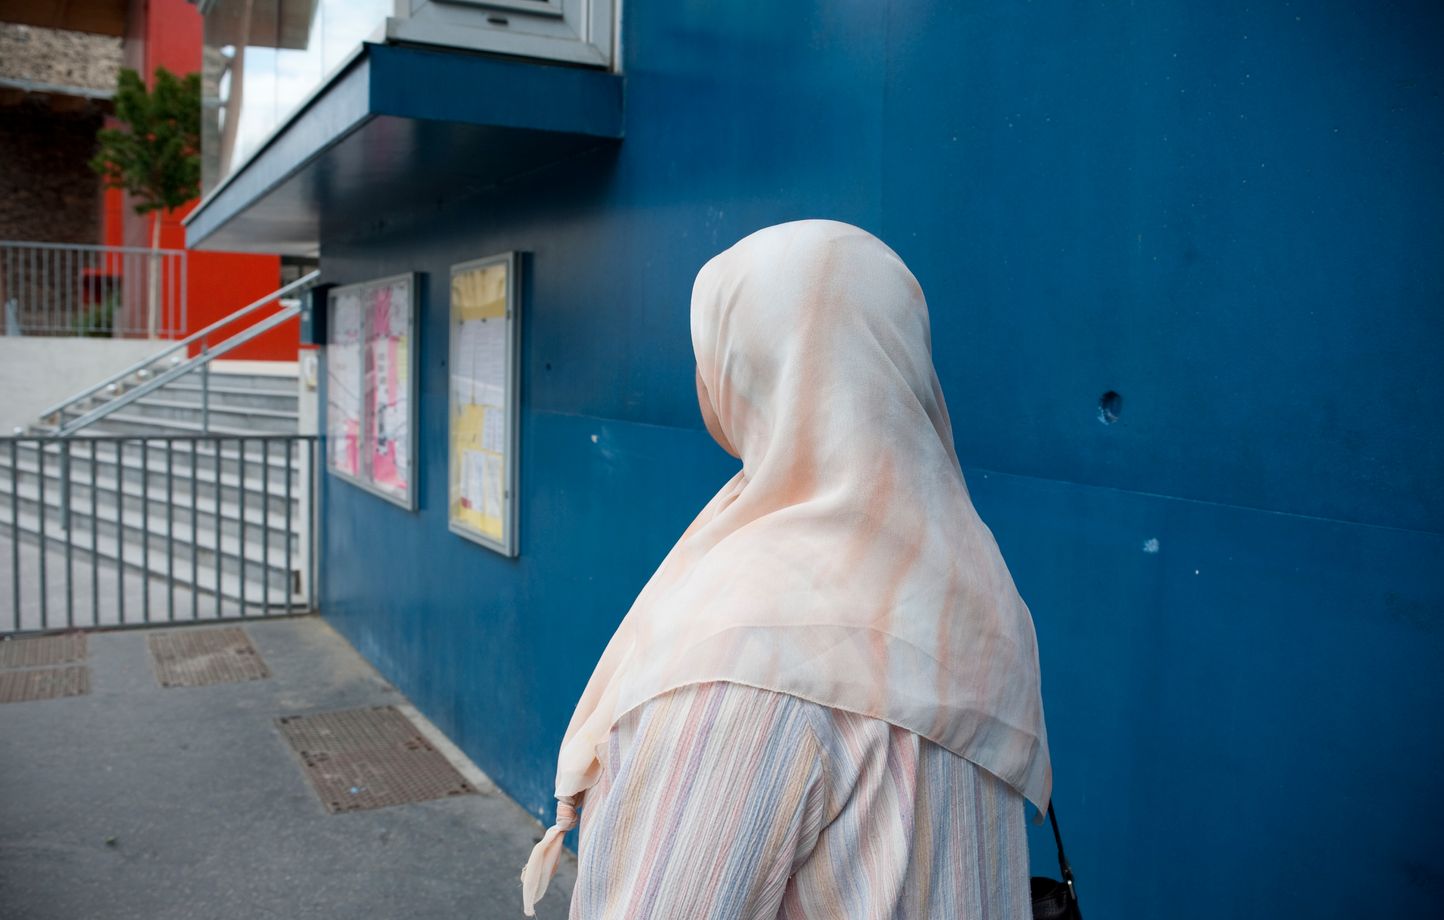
(1052, 899)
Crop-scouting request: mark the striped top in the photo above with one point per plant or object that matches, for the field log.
(720, 801)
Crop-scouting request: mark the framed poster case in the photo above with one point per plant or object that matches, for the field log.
(482, 422)
(371, 386)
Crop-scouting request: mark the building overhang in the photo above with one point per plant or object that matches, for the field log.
(398, 126)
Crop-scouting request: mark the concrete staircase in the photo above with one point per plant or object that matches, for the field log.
(246, 398)
(224, 515)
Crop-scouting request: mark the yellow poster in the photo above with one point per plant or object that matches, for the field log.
(480, 396)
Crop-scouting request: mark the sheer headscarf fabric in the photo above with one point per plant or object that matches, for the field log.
(845, 563)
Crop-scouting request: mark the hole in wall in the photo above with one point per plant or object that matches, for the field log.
(1110, 406)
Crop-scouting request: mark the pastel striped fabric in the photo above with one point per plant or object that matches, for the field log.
(720, 801)
(845, 562)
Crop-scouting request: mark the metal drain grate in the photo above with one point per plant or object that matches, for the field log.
(44, 683)
(197, 657)
(369, 758)
(38, 651)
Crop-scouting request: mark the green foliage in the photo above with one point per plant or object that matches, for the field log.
(156, 157)
(98, 320)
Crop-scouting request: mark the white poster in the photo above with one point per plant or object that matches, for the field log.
(483, 402)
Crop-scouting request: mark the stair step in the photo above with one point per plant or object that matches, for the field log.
(259, 481)
(178, 537)
(241, 402)
(221, 373)
(191, 394)
(135, 486)
(128, 423)
(258, 516)
(105, 545)
(278, 383)
(269, 452)
(194, 408)
(243, 418)
(220, 383)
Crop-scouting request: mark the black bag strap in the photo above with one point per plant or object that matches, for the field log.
(1063, 860)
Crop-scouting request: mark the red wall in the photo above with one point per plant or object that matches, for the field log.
(167, 33)
(112, 216)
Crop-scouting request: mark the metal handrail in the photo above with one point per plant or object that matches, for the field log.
(86, 289)
(304, 281)
(201, 361)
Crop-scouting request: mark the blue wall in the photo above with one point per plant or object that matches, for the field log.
(1227, 213)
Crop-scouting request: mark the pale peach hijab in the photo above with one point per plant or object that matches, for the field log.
(844, 564)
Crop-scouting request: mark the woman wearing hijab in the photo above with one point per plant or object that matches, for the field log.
(825, 703)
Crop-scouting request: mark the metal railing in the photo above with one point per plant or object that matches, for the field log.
(199, 362)
(135, 529)
(110, 291)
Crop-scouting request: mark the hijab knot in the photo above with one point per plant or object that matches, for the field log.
(542, 864)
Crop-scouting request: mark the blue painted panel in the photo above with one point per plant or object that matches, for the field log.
(1242, 706)
(1243, 713)
(1228, 213)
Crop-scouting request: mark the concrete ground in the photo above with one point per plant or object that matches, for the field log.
(136, 801)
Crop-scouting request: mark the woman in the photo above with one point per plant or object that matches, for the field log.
(825, 702)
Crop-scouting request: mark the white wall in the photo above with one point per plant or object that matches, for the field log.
(39, 371)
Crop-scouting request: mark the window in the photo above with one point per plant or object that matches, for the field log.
(580, 31)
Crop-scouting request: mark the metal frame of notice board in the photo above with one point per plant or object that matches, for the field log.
(364, 474)
(483, 401)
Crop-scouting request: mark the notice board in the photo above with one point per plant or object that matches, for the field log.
(371, 386)
(483, 362)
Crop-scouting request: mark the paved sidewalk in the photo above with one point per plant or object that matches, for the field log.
(137, 801)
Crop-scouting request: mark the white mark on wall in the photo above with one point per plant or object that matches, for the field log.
(1150, 545)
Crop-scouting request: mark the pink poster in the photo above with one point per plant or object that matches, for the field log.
(381, 313)
(386, 391)
(344, 406)
(351, 445)
(384, 468)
